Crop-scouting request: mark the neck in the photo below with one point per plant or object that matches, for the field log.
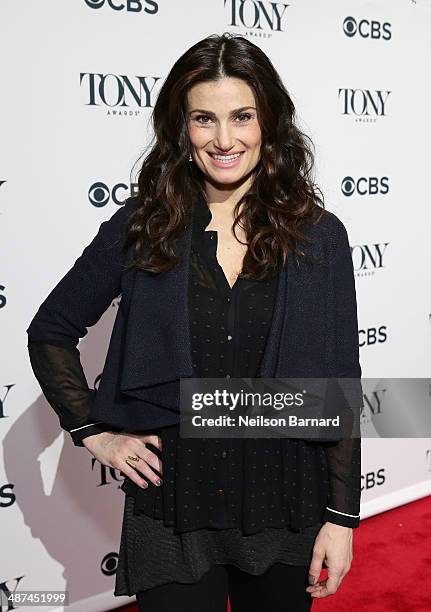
(222, 199)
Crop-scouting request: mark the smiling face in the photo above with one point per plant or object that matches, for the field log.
(225, 136)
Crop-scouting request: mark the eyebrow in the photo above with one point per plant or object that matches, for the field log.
(207, 112)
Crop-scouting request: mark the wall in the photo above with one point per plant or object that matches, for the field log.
(73, 130)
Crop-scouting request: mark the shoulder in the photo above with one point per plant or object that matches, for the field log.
(126, 209)
(116, 224)
(328, 233)
(130, 204)
(111, 236)
(327, 224)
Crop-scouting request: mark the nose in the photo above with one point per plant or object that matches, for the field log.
(223, 138)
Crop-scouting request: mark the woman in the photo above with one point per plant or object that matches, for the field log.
(228, 265)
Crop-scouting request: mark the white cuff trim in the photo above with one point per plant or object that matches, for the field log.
(343, 513)
(89, 425)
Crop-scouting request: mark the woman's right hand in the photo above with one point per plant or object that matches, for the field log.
(112, 449)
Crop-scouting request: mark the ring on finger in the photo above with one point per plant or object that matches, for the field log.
(131, 459)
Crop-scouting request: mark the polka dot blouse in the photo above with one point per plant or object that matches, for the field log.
(234, 482)
(222, 483)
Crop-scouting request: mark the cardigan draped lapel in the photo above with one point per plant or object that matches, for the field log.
(157, 347)
(158, 344)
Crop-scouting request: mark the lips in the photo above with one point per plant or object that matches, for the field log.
(224, 154)
(226, 161)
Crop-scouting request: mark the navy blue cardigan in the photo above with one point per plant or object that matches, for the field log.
(314, 331)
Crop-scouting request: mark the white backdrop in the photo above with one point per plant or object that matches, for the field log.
(358, 74)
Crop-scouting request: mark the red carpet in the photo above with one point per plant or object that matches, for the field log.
(391, 568)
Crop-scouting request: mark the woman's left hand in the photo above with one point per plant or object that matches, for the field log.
(333, 545)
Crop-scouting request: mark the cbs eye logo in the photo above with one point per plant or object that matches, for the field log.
(99, 194)
(366, 29)
(109, 564)
(133, 6)
(371, 185)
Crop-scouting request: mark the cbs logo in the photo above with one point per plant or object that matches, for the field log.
(133, 6)
(373, 479)
(372, 335)
(99, 194)
(365, 185)
(367, 29)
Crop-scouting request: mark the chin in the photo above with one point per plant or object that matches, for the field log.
(235, 174)
(228, 180)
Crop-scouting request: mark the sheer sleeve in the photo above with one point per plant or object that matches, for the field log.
(76, 303)
(59, 371)
(344, 469)
(344, 457)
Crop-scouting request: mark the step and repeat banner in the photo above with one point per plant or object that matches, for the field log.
(79, 81)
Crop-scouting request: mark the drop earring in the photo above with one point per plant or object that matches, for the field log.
(190, 157)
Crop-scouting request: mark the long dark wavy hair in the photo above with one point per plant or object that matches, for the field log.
(282, 195)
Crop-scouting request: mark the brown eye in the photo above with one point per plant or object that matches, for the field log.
(199, 117)
(246, 117)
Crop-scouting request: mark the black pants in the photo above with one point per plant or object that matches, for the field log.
(280, 589)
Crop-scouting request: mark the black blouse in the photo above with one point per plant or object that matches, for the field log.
(215, 482)
(203, 482)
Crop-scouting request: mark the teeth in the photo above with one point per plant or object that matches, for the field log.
(226, 158)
